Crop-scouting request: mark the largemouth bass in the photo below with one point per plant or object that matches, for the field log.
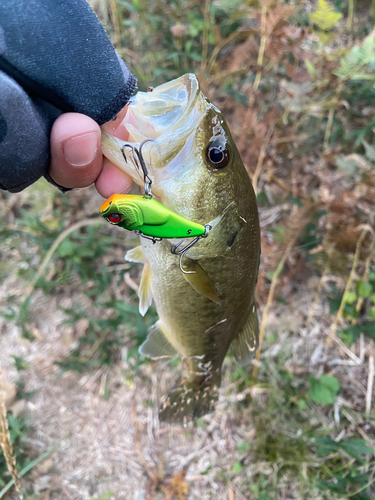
(208, 306)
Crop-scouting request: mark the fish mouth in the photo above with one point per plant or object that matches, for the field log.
(167, 117)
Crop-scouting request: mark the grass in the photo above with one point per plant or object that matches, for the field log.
(296, 83)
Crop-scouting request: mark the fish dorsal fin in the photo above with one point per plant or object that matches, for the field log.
(199, 280)
(135, 255)
(144, 292)
(245, 344)
(157, 346)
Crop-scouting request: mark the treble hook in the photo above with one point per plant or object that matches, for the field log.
(181, 252)
(140, 164)
(151, 238)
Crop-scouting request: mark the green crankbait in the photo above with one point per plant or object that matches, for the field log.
(148, 217)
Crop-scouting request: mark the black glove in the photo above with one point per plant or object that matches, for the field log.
(54, 57)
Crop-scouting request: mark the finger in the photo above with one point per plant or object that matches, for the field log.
(76, 158)
(112, 180)
(115, 127)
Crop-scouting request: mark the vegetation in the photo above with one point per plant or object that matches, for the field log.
(295, 81)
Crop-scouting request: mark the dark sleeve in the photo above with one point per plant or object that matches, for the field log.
(54, 57)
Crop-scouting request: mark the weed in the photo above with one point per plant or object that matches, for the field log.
(18, 427)
(100, 346)
(359, 309)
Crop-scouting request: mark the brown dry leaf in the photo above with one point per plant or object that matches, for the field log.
(46, 495)
(276, 18)
(81, 328)
(176, 486)
(9, 390)
(18, 407)
(37, 334)
(178, 29)
(243, 55)
(276, 24)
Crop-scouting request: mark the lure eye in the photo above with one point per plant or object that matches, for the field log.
(114, 218)
(217, 155)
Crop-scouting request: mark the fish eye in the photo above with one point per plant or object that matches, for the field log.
(114, 218)
(217, 155)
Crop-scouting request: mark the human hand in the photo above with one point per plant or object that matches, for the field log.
(76, 157)
(55, 58)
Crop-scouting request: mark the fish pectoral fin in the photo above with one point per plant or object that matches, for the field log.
(157, 346)
(135, 255)
(224, 232)
(199, 280)
(145, 292)
(245, 344)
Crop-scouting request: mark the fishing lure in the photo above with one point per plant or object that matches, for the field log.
(149, 218)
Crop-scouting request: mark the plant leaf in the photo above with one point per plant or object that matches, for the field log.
(324, 390)
(325, 16)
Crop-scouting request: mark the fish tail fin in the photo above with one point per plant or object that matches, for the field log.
(189, 400)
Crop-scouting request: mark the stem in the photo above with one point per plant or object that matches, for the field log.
(261, 157)
(27, 468)
(365, 276)
(349, 23)
(271, 293)
(316, 298)
(206, 29)
(116, 24)
(262, 46)
(331, 114)
(347, 288)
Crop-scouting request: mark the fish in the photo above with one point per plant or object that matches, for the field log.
(205, 298)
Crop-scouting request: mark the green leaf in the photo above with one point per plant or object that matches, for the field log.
(351, 297)
(195, 56)
(324, 390)
(355, 447)
(20, 363)
(372, 298)
(324, 16)
(372, 313)
(351, 333)
(237, 467)
(364, 289)
(325, 446)
(243, 446)
(310, 68)
(357, 58)
(370, 150)
(262, 198)
(67, 248)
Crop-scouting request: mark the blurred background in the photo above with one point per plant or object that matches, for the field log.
(296, 82)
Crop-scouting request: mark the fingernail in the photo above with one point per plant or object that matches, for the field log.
(81, 150)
